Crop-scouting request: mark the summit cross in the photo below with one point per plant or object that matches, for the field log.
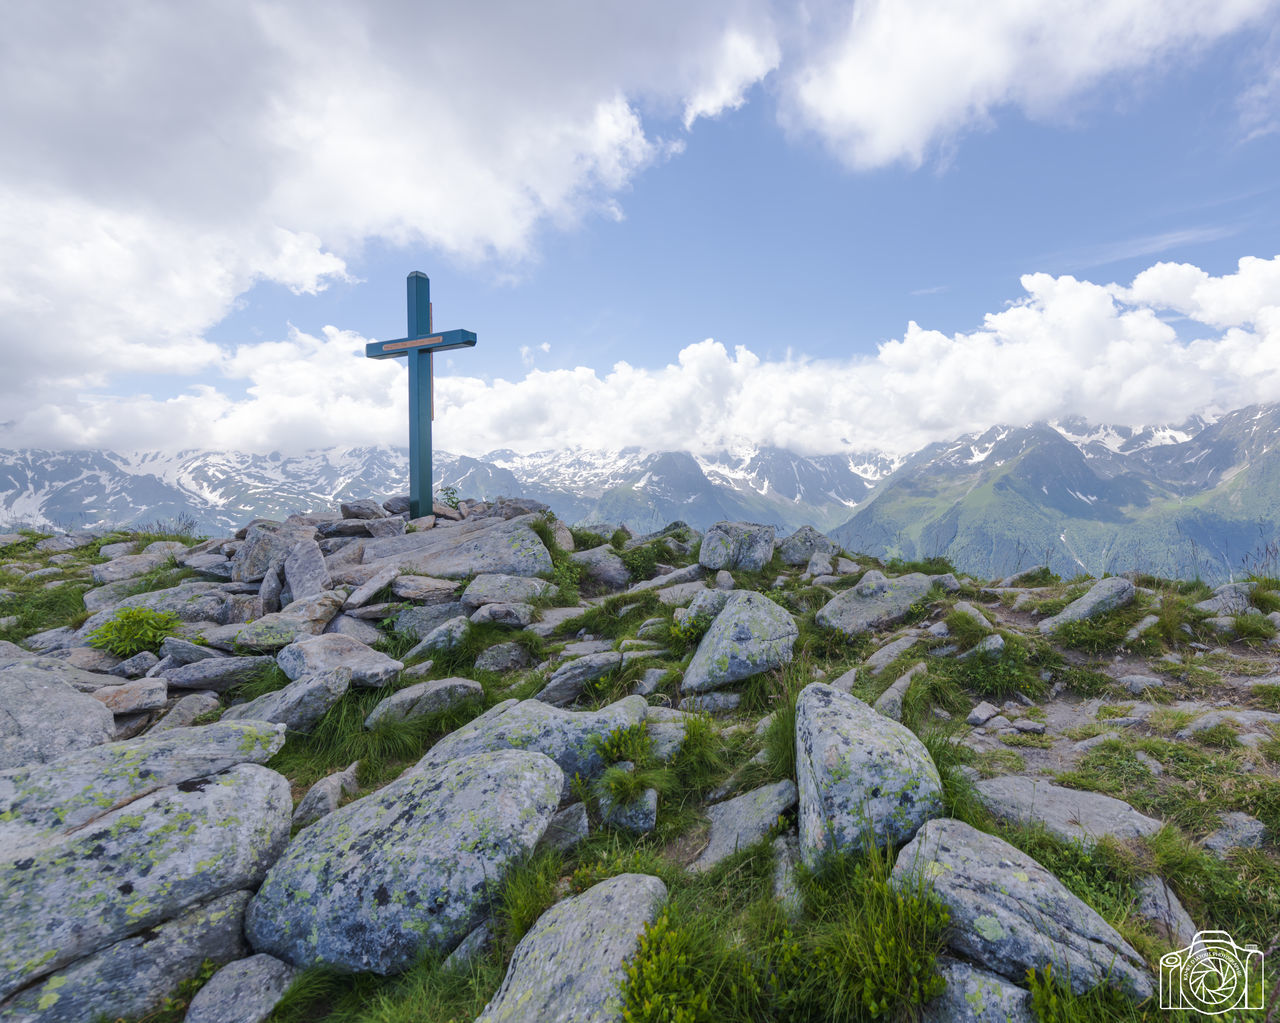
(419, 347)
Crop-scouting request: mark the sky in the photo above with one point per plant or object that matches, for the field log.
(677, 225)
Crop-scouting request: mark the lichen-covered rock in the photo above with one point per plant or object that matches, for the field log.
(744, 820)
(495, 588)
(1071, 814)
(567, 682)
(744, 545)
(424, 698)
(750, 635)
(875, 602)
(244, 991)
(514, 616)
(421, 620)
(132, 977)
(42, 717)
(567, 737)
(305, 617)
(1105, 595)
(63, 897)
(1011, 915)
(569, 966)
(803, 544)
(503, 657)
(861, 776)
(299, 705)
(976, 996)
(601, 565)
(217, 673)
(406, 870)
(313, 655)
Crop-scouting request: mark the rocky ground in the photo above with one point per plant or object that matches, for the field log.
(482, 766)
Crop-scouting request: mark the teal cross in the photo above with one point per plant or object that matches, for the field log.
(419, 347)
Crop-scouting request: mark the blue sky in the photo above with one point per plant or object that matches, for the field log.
(611, 190)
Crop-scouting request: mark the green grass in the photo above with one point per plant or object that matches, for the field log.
(1016, 670)
(131, 630)
(934, 565)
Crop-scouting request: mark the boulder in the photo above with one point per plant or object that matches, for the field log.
(364, 508)
(191, 601)
(135, 975)
(495, 588)
(420, 621)
(974, 995)
(1105, 595)
(803, 544)
(752, 634)
(42, 716)
(1071, 814)
(862, 777)
(265, 544)
(305, 617)
(299, 705)
(67, 896)
(503, 657)
(324, 796)
(305, 573)
(136, 666)
(424, 698)
(514, 616)
(218, 673)
(315, 655)
(354, 628)
(474, 547)
(424, 589)
(445, 636)
(133, 697)
(743, 545)
(603, 567)
(244, 991)
(571, 963)
(406, 870)
(874, 603)
(744, 820)
(1011, 915)
(568, 681)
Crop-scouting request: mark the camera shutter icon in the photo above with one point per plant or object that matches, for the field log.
(1212, 975)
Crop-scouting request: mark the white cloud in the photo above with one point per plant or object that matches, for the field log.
(1067, 346)
(895, 79)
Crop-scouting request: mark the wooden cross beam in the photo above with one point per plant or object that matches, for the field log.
(419, 347)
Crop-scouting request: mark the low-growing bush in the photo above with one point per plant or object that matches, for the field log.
(134, 629)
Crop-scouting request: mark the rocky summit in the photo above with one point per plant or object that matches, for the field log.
(481, 765)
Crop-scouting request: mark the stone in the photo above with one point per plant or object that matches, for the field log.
(65, 896)
(397, 505)
(116, 550)
(313, 655)
(803, 544)
(363, 508)
(639, 817)
(786, 890)
(603, 567)
(1228, 599)
(191, 600)
(424, 589)
(185, 711)
(475, 547)
(891, 651)
(743, 821)
(688, 574)
(820, 567)
(862, 777)
(570, 964)
(133, 697)
(366, 591)
(181, 651)
(325, 795)
(751, 635)
(494, 588)
(649, 681)
(1070, 814)
(990, 646)
(972, 613)
(386, 527)
(515, 616)
(354, 628)
(136, 666)
(299, 705)
(982, 713)
(714, 704)
(569, 680)
(42, 717)
(974, 995)
(305, 617)
(503, 657)
(134, 976)
(305, 573)
(445, 636)
(1029, 726)
(133, 565)
(218, 673)
(244, 991)
(420, 621)
(742, 545)
(679, 594)
(1138, 630)
(55, 639)
(107, 596)
(566, 829)
(1159, 906)
(272, 586)
(266, 544)
(1105, 595)
(1238, 831)
(1012, 915)
(424, 698)
(875, 602)
(1139, 684)
(889, 703)
(475, 944)
(406, 870)
(566, 736)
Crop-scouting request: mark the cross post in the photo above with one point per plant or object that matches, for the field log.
(419, 348)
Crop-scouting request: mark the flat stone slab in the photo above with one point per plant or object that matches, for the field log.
(1070, 814)
(874, 603)
(315, 654)
(217, 673)
(42, 717)
(744, 820)
(475, 547)
(1105, 595)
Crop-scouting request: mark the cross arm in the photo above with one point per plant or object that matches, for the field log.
(442, 342)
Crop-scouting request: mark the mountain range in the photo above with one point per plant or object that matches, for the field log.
(1199, 498)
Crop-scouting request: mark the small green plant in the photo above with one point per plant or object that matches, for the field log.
(449, 496)
(1253, 628)
(642, 561)
(661, 985)
(631, 743)
(689, 631)
(586, 539)
(134, 629)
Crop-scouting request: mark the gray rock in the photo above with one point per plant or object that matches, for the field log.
(1139, 684)
(42, 717)
(107, 596)
(503, 657)
(181, 651)
(666, 738)
(1105, 595)
(991, 646)
(425, 590)
(724, 581)
(136, 666)
(973, 614)
(567, 737)
(185, 711)
(1238, 831)
(515, 616)
(602, 566)
(386, 527)
(325, 795)
(445, 636)
(191, 601)
(874, 603)
(299, 705)
(1229, 599)
(568, 681)
(314, 655)
(474, 945)
(421, 621)
(266, 544)
(891, 651)
(742, 545)
(639, 817)
(132, 565)
(67, 896)
(475, 547)
(982, 713)
(566, 829)
(570, 964)
(55, 639)
(786, 858)
(406, 870)
(493, 588)
(367, 590)
(679, 594)
(305, 573)
(862, 777)
(1010, 914)
(714, 704)
(133, 697)
(1143, 626)
(244, 991)
(1029, 726)
(846, 567)
(354, 628)
(977, 996)
(364, 508)
(752, 634)
(688, 574)
(889, 703)
(424, 698)
(135, 975)
(218, 673)
(744, 820)
(305, 617)
(1159, 906)
(803, 544)
(649, 682)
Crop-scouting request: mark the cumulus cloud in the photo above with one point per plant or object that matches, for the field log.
(1066, 346)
